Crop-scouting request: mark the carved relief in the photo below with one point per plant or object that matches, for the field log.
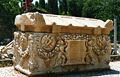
(90, 57)
(21, 55)
(102, 46)
(75, 36)
(32, 54)
(50, 46)
(20, 42)
(45, 45)
(96, 45)
(50, 49)
(24, 46)
(16, 46)
(61, 46)
(48, 42)
(99, 46)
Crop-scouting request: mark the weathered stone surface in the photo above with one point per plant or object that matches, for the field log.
(52, 46)
(6, 52)
(36, 53)
(37, 22)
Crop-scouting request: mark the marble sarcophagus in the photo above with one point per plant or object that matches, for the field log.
(54, 43)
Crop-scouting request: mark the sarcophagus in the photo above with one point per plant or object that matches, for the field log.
(54, 43)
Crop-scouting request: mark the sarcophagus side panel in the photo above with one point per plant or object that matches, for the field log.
(36, 53)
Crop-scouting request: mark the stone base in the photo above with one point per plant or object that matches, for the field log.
(113, 72)
(65, 69)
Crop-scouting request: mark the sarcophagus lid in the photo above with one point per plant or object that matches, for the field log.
(37, 22)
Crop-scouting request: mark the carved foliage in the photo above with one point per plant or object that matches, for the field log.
(96, 47)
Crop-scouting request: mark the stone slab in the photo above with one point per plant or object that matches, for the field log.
(114, 72)
(37, 22)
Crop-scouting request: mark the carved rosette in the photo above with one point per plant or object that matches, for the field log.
(45, 45)
(101, 44)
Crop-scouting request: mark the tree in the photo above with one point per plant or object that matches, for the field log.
(39, 7)
(8, 10)
(91, 8)
(63, 7)
(42, 4)
(53, 6)
(37, 4)
(103, 9)
(75, 7)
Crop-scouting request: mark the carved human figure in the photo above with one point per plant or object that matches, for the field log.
(23, 43)
(24, 51)
(16, 56)
(104, 46)
(32, 63)
(100, 46)
(61, 57)
(89, 58)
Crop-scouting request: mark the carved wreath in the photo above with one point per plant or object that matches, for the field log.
(49, 46)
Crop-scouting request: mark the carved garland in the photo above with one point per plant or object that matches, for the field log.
(49, 46)
(97, 45)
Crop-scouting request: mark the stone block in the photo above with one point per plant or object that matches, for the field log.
(53, 43)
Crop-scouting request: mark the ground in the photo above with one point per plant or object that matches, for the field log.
(113, 72)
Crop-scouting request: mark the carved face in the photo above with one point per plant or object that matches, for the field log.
(23, 42)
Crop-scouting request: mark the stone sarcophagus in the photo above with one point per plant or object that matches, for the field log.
(53, 43)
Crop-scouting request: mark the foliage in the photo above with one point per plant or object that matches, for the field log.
(103, 9)
(90, 8)
(53, 6)
(8, 10)
(42, 4)
(75, 7)
(63, 6)
(100, 9)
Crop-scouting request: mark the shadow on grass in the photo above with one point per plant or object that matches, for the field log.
(81, 74)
